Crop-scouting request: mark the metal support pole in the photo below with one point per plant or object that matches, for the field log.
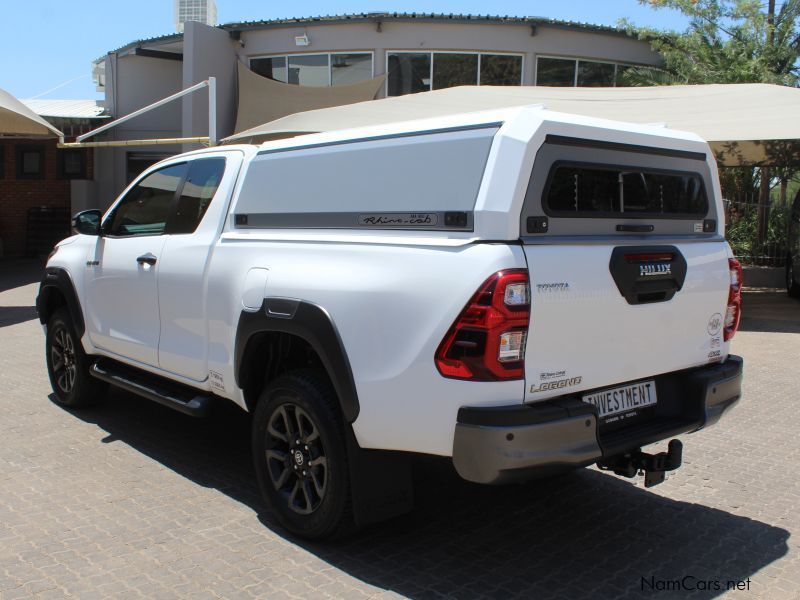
(212, 111)
(136, 113)
(123, 143)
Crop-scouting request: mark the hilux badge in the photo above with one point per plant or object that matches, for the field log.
(651, 269)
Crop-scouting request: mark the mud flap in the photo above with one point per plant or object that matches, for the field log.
(380, 483)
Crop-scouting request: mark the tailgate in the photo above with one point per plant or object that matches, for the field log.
(601, 316)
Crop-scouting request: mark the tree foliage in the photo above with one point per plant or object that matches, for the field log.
(727, 41)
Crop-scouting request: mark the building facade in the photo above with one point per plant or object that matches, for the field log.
(41, 184)
(414, 52)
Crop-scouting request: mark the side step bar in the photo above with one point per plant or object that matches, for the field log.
(181, 398)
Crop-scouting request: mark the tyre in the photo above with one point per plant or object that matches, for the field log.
(791, 279)
(300, 456)
(68, 365)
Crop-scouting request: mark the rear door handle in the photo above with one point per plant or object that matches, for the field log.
(148, 258)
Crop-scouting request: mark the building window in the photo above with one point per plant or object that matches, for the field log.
(309, 69)
(501, 69)
(595, 74)
(408, 73)
(620, 72)
(271, 67)
(555, 72)
(336, 68)
(411, 72)
(570, 72)
(30, 162)
(450, 70)
(72, 164)
(350, 68)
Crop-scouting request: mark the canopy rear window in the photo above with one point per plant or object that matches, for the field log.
(588, 190)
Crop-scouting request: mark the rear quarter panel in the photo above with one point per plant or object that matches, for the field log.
(392, 304)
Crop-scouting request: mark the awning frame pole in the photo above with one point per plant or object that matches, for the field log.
(210, 83)
(212, 111)
(125, 143)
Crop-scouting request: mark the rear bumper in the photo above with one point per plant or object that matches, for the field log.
(511, 443)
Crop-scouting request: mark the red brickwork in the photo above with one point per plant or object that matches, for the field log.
(18, 195)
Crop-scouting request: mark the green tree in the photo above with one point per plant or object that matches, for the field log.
(733, 41)
(727, 41)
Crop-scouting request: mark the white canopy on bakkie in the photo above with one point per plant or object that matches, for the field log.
(744, 123)
(18, 119)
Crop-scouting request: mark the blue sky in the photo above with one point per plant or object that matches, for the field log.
(46, 43)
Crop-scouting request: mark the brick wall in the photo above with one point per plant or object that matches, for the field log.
(18, 195)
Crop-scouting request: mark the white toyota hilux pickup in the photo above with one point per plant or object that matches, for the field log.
(520, 291)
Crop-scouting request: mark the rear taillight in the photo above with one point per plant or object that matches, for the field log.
(487, 340)
(733, 314)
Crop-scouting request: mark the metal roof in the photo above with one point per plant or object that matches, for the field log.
(66, 109)
(396, 16)
(391, 16)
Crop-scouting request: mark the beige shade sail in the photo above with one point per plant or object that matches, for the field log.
(744, 123)
(262, 99)
(18, 119)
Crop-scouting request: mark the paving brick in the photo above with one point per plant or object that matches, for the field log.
(132, 500)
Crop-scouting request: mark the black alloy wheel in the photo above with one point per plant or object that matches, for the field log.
(68, 365)
(300, 455)
(296, 458)
(63, 360)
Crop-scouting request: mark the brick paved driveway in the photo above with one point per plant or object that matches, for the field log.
(133, 500)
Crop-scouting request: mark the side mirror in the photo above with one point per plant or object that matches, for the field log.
(87, 222)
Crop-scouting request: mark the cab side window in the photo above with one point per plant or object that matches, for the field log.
(201, 184)
(146, 207)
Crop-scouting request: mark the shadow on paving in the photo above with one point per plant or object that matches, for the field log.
(18, 272)
(770, 310)
(12, 315)
(584, 534)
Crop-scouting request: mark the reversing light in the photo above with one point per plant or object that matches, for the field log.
(487, 340)
(512, 346)
(517, 294)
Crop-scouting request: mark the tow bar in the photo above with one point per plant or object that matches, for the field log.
(654, 466)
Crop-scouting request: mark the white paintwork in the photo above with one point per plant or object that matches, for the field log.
(183, 270)
(121, 297)
(371, 176)
(254, 289)
(590, 331)
(392, 295)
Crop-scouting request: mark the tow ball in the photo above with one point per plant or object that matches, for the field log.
(654, 466)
